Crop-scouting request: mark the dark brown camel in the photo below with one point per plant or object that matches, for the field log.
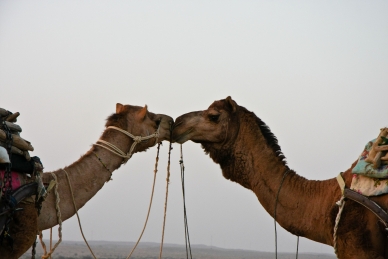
(87, 175)
(249, 154)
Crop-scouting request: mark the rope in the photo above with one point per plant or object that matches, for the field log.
(136, 139)
(59, 218)
(187, 237)
(165, 203)
(149, 208)
(276, 236)
(76, 212)
(341, 204)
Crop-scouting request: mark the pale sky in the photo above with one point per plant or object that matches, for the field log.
(315, 71)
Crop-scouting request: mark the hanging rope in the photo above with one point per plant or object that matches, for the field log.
(149, 207)
(187, 237)
(341, 204)
(165, 203)
(274, 217)
(76, 212)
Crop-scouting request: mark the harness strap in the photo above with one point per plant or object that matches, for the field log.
(369, 204)
(363, 200)
(341, 183)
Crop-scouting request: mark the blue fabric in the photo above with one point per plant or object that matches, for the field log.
(367, 169)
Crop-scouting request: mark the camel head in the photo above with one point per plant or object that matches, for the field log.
(214, 127)
(140, 122)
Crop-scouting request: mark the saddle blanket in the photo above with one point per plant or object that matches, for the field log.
(365, 168)
(367, 180)
(17, 179)
(369, 186)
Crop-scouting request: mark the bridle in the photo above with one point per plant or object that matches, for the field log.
(136, 139)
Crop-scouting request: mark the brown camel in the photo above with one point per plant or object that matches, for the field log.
(248, 153)
(87, 175)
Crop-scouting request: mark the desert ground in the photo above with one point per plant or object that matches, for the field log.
(120, 250)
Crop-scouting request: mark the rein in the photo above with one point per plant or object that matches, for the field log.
(136, 139)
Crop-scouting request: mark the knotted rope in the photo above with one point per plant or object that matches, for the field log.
(341, 204)
(136, 139)
(59, 218)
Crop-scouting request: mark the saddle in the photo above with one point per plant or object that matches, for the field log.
(370, 176)
(20, 174)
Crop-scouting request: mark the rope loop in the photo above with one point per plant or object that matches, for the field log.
(136, 139)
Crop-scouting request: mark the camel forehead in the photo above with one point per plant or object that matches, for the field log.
(133, 109)
(217, 105)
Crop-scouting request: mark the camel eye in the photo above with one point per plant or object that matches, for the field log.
(214, 118)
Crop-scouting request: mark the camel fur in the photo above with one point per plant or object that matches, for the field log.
(87, 175)
(249, 154)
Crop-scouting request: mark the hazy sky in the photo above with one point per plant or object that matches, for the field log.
(315, 71)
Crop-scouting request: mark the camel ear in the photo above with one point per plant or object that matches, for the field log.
(119, 107)
(232, 104)
(142, 113)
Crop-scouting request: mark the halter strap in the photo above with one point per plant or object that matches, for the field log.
(136, 139)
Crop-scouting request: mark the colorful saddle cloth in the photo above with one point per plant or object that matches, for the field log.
(17, 179)
(367, 180)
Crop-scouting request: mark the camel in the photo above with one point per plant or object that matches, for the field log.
(89, 174)
(249, 154)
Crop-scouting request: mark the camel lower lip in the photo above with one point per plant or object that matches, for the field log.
(181, 138)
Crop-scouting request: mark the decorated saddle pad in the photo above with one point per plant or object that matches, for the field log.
(368, 180)
(369, 186)
(364, 168)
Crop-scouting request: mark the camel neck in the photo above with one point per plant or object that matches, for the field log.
(87, 176)
(256, 165)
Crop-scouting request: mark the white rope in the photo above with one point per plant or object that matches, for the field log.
(136, 139)
(341, 204)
